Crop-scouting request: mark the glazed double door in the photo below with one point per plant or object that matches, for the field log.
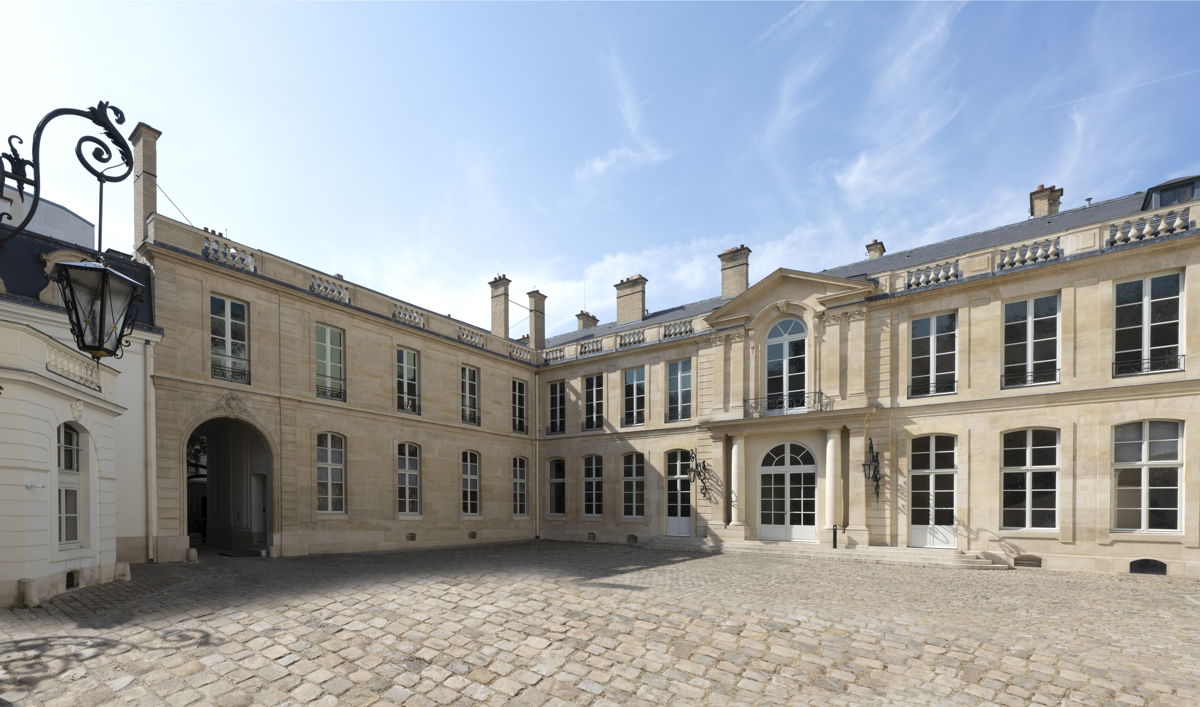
(788, 504)
(931, 511)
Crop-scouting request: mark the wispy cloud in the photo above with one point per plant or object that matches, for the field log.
(1123, 89)
(640, 148)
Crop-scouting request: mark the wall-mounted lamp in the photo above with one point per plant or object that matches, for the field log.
(871, 465)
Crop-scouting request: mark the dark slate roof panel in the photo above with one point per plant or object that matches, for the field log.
(686, 311)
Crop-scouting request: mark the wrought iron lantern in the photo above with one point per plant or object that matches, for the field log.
(101, 303)
(871, 465)
(699, 473)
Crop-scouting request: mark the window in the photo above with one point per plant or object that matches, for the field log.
(519, 485)
(408, 386)
(470, 483)
(593, 486)
(1031, 341)
(593, 402)
(331, 473)
(229, 340)
(1147, 326)
(679, 390)
(408, 478)
(785, 366)
(635, 397)
(1172, 194)
(1146, 463)
(933, 355)
(518, 406)
(558, 408)
(70, 458)
(634, 485)
(558, 487)
(331, 365)
(469, 394)
(933, 453)
(1030, 479)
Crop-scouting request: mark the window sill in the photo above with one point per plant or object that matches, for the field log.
(1031, 533)
(556, 516)
(1154, 536)
(1019, 386)
(333, 515)
(1139, 374)
(409, 516)
(634, 424)
(470, 516)
(592, 518)
(931, 395)
(633, 520)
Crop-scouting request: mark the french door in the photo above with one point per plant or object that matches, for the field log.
(931, 511)
(788, 504)
(679, 494)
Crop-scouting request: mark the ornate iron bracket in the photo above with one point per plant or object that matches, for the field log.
(701, 474)
(27, 172)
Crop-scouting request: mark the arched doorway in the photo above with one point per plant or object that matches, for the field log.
(787, 487)
(228, 487)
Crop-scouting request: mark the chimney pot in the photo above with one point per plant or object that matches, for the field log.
(631, 299)
(1044, 201)
(875, 249)
(586, 320)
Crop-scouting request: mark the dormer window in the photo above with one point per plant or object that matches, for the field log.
(1176, 191)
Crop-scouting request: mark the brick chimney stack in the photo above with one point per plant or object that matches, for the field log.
(875, 249)
(145, 177)
(586, 320)
(735, 271)
(631, 299)
(500, 306)
(1044, 201)
(537, 320)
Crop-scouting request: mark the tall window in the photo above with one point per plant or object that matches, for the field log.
(469, 394)
(520, 486)
(635, 396)
(518, 406)
(1030, 479)
(1147, 325)
(679, 390)
(408, 478)
(331, 364)
(70, 456)
(470, 483)
(558, 408)
(593, 402)
(934, 341)
(1146, 466)
(593, 486)
(558, 487)
(1031, 341)
(785, 366)
(229, 340)
(331, 473)
(933, 453)
(634, 485)
(408, 385)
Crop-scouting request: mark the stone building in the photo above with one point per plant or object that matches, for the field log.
(1025, 389)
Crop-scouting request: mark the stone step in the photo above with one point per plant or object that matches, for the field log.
(927, 557)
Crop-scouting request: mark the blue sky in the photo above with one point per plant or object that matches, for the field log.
(419, 149)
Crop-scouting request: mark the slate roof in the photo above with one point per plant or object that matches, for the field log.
(685, 311)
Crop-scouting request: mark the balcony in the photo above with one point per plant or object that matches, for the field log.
(787, 404)
(556, 427)
(1155, 364)
(470, 416)
(331, 388)
(519, 425)
(410, 405)
(1024, 378)
(941, 387)
(681, 413)
(228, 368)
(634, 418)
(593, 423)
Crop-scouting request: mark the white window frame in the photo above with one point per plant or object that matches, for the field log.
(633, 489)
(1026, 470)
(933, 386)
(1145, 467)
(1029, 373)
(334, 473)
(70, 485)
(408, 479)
(786, 398)
(234, 368)
(408, 381)
(468, 379)
(679, 390)
(1147, 363)
(520, 420)
(557, 480)
(520, 486)
(557, 392)
(634, 411)
(331, 374)
(471, 483)
(593, 486)
(593, 402)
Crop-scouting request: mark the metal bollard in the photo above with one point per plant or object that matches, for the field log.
(835, 536)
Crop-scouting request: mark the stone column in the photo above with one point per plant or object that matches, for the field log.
(737, 481)
(833, 479)
(861, 492)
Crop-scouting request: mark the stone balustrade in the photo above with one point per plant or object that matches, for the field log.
(225, 253)
(1159, 223)
(521, 353)
(932, 275)
(591, 347)
(552, 355)
(409, 316)
(674, 330)
(73, 367)
(470, 337)
(329, 289)
(1008, 257)
(631, 338)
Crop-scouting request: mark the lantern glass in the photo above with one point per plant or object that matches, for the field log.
(100, 303)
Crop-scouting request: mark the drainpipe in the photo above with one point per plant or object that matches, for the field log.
(151, 454)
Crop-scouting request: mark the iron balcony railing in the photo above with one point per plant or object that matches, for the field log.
(409, 405)
(238, 372)
(470, 416)
(519, 425)
(1023, 378)
(918, 390)
(331, 388)
(594, 423)
(787, 404)
(1154, 364)
(682, 413)
(629, 419)
(556, 427)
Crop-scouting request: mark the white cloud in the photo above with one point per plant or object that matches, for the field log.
(640, 149)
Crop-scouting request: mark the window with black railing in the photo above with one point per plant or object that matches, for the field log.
(518, 406)
(408, 390)
(635, 397)
(592, 423)
(555, 428)
(593, 402)
(331, 363)
(469, 394)
(228, 368)
(1030, 342)
(937, 387)
(331, 388)
(1147, 317)
(933, 352)
(679, 390)
(1022, 378)
(229, 340)
(557, 408)
(788, 403)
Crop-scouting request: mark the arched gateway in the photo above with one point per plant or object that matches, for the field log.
(788, 494)
(228, 487)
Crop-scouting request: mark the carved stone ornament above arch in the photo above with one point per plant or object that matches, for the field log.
(50, 294)
(230, 405)
(776, 311)
(77, 410)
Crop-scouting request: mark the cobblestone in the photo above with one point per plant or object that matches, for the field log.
(556, 623)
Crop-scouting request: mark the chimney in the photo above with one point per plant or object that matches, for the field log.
(537, 320)
(586, 320)
(875, 249)
(145, 177)
(735, 271)
(500, 306)
(631, 299)
(1044, 201)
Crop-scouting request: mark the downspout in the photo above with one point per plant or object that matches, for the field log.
(537, 456)
(277, 479)
(151, 454)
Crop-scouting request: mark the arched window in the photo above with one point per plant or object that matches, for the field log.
(520, 471)
(788, 493)
(70, 483)
(408, 478)
(470, 483)
(331, 473)
(785, 366)
(1146, 463)
(789, 455)
(934, 463)
(593, 486)
(1030, 479)
(634, 484)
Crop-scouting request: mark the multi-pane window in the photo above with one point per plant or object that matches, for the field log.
(520, 481)
(593, 485)
(635, 396)
(331, 473)
(1030, 479)
(408, 478)
(933, 461)
(1147, 325)
(469, 394)
(408, 381)
(518, 406)
(1146, 466)
(593, 402)
(934, 342)
(558, 487)
(1031, 341)
(69, 463)
(229, 338)
(679, 390)
(933, 453)
(634, 485)
(558, 408)
(786, 366)
(470, 483)
(331, 363)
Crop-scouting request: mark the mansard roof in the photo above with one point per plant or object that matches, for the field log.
(686, 311)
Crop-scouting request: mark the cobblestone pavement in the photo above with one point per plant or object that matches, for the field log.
(558, 623)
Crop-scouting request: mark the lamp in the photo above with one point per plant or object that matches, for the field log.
(871, 465)
(101, 306)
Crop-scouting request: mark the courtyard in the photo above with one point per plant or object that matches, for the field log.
(556, 623)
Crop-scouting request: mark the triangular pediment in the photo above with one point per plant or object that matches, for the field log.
(810, 291)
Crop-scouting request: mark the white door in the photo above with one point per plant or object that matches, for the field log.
(787, 495)
(679, 503)
(931, 512)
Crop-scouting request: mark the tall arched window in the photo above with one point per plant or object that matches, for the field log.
(408, 478)
(331, 473)
(70, 486)
(785, 366)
